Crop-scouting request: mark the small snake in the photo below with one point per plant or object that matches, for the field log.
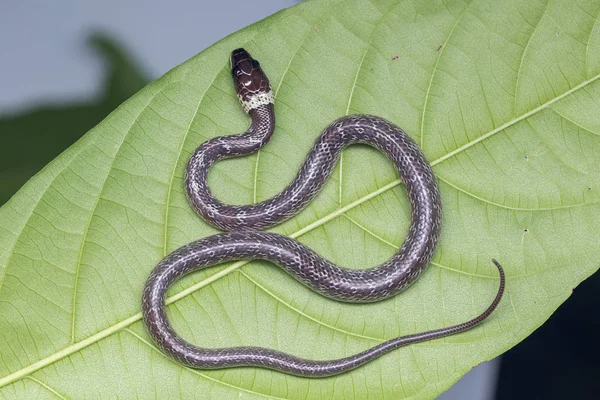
(244, 241)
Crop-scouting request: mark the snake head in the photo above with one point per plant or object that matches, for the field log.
(251, 83)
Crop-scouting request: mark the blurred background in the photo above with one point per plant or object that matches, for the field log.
(68, 64)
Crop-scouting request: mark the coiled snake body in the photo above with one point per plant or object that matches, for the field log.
(244, 241)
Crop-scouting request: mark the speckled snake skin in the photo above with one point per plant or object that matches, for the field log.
(245, 241)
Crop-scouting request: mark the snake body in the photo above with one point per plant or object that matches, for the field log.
(244, 241)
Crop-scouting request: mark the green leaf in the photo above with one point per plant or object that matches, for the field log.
(502, 96)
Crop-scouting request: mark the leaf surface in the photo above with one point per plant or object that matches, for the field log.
(501, 95)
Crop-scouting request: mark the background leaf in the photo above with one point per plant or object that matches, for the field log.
(32, 139)
(502, 97)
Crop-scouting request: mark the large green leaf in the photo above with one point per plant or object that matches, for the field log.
(503, 97)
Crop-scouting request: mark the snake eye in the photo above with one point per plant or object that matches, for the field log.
(255, 64)
(238, 72)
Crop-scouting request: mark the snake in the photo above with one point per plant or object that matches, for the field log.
(244, 239)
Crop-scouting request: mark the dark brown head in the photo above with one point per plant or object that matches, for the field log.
(251, 83)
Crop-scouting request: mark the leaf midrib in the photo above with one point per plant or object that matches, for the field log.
(514, 121)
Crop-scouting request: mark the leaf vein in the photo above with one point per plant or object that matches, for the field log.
(47, 387)
(354, 84)
(574, 123)
(510, 207)
(514, 121)
(395, 247)
(518, 80)
(176, 163)
(285, 71)
(196, 372)
(435, 68)
(93, 212)
(291, 307)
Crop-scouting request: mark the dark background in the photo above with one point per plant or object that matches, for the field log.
(47, 102)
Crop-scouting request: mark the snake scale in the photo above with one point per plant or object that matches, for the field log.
(244, 240)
